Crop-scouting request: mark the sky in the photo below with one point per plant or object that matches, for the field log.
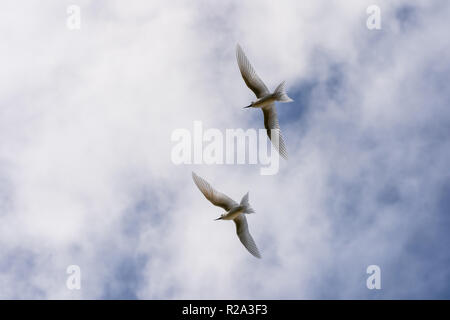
(87, 179)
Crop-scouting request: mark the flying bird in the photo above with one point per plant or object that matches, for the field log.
(265, 100)
(234, 211)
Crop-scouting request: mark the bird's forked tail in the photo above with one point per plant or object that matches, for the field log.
(280, 93)
(246, 204)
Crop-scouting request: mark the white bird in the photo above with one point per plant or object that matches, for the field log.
(234, 211)
(266, 100)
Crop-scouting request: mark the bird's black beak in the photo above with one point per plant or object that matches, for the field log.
(247, 106)
(219, 218)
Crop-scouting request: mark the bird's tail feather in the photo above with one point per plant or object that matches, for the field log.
(246, 204)
(280, 93)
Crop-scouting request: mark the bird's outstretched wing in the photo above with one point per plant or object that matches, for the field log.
(244, 235)
(217, 198)
(273, 129)
(248, 73)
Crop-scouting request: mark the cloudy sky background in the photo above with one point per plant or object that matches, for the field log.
(86, 176)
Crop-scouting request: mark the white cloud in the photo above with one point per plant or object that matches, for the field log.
(85, 171)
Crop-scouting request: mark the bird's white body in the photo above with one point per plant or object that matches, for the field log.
(233, 213)
(265, 101)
